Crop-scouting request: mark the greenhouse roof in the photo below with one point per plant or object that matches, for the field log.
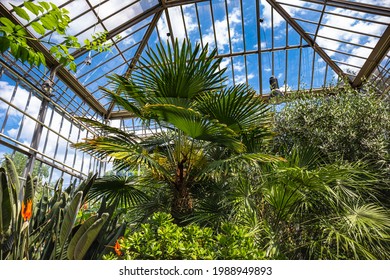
(305, 44)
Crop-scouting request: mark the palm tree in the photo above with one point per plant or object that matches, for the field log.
(305, 208)
(206, 130)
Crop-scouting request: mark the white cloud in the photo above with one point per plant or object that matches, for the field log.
(241, 79)
(239, 66)
(177, 24)
(285, 88)
(163, 29)
(277, 18)
(222, 32)
(225, 63)
(20, 99)
(349, 33)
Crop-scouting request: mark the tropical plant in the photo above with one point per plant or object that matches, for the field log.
(205, 130)
(305, 208)
(161, 239)
(51, 227)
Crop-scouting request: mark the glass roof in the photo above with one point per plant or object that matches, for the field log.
(305, 44)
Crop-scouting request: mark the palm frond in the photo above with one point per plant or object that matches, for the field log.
(159, 200)
(118, 190)
(362, 232)
(237, 107)
(123, 151)
(196, 126)
(103, 129)
(239, 163)
(179, 71)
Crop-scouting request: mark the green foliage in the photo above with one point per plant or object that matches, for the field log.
(161, 239)
(120, 191)
(48, 18)
(343, 123)
(205, 130)
(20, 161)
(51, 228)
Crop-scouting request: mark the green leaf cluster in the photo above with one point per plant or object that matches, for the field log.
(161, 239)
(342, 122)
(47, 18)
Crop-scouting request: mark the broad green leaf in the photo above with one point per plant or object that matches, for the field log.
(13, 177)
(64, 49)
(29, 188)
(14, 50)
(7, 22)
(73, 66)
(6, 29)
(84, 227)
(45, 5)
(53, 6)
(4, 44)
(42, 59)
(23, 54)
(38, 28)
(54, 49)
(21, 12)
(35, 9)
(48, 23)
(70, 218)
(21, 32)
(88, 237)
(32, 58)
(5, 203)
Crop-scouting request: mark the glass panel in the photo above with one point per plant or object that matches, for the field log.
(306, 68)
(293, 69)
(206, 24)
(253, 69)
(240, 70)
(191, 23)
(176, 18)
(221, 26)
(235, 25)
(250, 24)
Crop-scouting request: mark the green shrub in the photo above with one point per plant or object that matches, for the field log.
(161, 239)
(344, 123)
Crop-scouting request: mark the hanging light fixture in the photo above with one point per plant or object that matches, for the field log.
(47, 87)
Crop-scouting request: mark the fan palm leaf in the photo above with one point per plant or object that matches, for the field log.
(122, 191)
(238, 107)
(193, 124)
(179, 72)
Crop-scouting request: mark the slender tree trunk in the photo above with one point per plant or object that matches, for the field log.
(181, 204)
(182, 200)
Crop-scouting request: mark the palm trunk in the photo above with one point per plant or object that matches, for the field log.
(182, 200)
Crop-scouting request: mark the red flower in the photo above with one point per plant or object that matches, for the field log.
(27, 210)
(117, 248)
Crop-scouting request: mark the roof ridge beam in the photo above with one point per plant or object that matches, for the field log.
(377, 54)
